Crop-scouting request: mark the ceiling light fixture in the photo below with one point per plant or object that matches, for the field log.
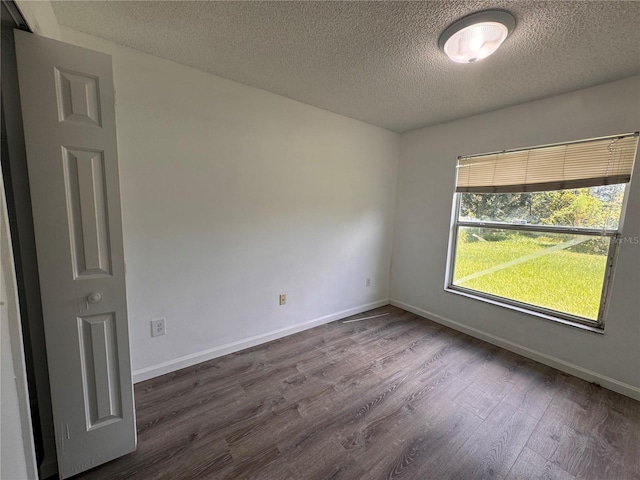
(476, 36)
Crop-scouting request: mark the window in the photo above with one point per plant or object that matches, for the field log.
(537, 229)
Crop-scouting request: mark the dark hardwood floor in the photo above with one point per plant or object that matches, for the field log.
(392, 397)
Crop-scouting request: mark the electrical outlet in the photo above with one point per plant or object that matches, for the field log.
(158, 327)
(367, 282)
(283, 299)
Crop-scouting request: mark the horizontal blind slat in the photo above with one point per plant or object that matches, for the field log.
(574, 165)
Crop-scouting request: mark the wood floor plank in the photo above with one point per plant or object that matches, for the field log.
(534, 389)
(390, 397)
(551, 428)
(266, 431)
(596, 435)
(494, 447)
(345, 468)
(182, 409)
(477, 400)
(312, 463)
(252, 466)
(419, 450)
(531, 466)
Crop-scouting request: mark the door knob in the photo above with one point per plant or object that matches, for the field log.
(94, 297)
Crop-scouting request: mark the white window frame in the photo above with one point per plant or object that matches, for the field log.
(614, 236)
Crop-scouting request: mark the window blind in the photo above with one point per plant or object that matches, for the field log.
(573, 165)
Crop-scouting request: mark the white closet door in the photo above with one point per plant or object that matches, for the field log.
(67, 100)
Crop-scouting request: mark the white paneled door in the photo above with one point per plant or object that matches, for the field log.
(69, 122)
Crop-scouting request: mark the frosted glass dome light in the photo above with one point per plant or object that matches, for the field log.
(476, 36)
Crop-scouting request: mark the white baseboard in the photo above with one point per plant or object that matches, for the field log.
(570, 368)
(195, 358)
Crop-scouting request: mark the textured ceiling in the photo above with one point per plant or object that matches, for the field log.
(377, 61)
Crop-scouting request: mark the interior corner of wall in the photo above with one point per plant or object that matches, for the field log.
(40, 17)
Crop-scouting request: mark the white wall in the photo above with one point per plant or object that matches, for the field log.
(425, 193)
(231, 196)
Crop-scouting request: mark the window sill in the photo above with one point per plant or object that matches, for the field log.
(522, 309)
